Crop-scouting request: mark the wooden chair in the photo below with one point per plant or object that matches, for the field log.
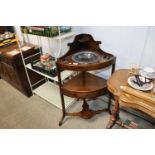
(84, 85)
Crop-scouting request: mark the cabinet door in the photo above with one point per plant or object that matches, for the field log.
(2, 71)
(9, 74)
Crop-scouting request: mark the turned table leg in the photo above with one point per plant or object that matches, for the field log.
(109, 102)
(115, 114)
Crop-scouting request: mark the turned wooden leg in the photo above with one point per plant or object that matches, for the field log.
(63, 109)
(85, 105)
(115, 114)
(63, 116)
(109, 102)
(86, 112)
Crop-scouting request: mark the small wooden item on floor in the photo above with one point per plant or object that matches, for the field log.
(84, 55)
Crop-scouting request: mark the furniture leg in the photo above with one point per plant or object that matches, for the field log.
(85, 105)
(62, 98)
(86, 112)
(109, 102)
(110, 95)
(63, 109)
(63, 116)
(115, 114)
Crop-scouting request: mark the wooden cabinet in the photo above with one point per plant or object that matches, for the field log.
(8, 73)
(12, 68)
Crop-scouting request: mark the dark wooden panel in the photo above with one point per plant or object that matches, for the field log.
(12, 68)
(35, 77)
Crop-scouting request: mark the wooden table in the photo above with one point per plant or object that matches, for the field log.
(119, 78)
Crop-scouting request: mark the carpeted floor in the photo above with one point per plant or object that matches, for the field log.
(19, 112)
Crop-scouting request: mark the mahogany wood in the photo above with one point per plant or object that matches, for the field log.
(86, 112)
(84, 85)
(2, 29)
(12, 68)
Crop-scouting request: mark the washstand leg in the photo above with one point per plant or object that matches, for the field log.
(85, 105)
(63, 109)
(61, 121)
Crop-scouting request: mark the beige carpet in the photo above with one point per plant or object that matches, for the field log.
(18, 111)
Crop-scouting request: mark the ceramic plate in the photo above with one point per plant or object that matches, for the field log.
(145, 87)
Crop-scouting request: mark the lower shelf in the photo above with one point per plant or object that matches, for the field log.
(50, 92)
(64, 74)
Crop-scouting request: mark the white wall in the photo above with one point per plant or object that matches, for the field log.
(148, 55)
(127, 43)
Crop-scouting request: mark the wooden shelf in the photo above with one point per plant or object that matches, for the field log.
(64, 74)
(84, 85)
(50, 92)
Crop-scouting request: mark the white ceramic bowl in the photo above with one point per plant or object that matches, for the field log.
(147, 72)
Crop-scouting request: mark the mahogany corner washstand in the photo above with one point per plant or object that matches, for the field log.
(84, 85)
